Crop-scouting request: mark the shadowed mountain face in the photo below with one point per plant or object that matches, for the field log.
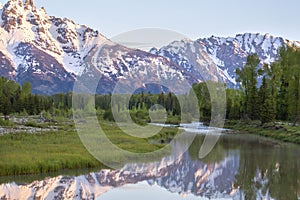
(42, 70)
(7, 67)
(52, 53)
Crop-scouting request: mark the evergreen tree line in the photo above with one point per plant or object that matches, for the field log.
(15, 98)
(277, 97)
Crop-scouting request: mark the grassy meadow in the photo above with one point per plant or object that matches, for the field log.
(23, 153)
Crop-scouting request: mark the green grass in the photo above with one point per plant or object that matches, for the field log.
(42, 153)
(137, 150)
(285, 132)
(35, 125)
(29, 178)
(6, 123)
(134, 144)
(23, 154)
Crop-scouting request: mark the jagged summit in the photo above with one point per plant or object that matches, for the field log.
(228, 53)
(61, 42)
(28, 2)
(21, 14)
(51, 52)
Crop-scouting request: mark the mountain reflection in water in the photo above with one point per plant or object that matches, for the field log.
(239, 167)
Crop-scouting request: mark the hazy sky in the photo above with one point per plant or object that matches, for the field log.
(194, 18)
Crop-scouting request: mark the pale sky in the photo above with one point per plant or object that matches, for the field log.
(193, 18)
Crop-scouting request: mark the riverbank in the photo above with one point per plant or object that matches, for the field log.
(56, 146)
(284, 132)
(42, 152)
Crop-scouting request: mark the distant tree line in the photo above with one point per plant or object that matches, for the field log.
(276, 97)
(15, 98)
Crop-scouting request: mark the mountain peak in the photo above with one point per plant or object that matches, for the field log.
(28, 3)
(16, 13)
(21, 3)
(50, 52)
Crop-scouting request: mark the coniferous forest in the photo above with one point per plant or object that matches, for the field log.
(266, 93)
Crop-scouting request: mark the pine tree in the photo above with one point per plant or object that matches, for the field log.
(26, 89)
(247, 76)
(161, 99)
(288, 104)
(5, 105)
(266, 111)
(294, 88)
(234, 104)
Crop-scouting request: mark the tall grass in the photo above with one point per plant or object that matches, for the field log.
(42, 153)
(22, 154)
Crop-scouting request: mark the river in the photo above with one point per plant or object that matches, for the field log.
(239, 167)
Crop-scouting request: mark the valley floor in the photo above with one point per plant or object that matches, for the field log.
(48, 149)
(36, 147)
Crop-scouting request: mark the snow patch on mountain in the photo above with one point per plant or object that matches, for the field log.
(227, 54)
(77, 50)
(81, 51)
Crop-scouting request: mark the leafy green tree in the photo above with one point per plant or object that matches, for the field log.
(204, 101)
(294, 88)
(247, 76)
(266, 112)
(234, 104)
(288, 104)
(5, 105)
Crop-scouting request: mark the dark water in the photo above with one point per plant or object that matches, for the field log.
(239, 167)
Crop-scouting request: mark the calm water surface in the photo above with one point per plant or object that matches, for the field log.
(239, 167)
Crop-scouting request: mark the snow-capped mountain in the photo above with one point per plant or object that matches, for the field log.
(52, 53)
(227, 54)
(33, 46)
(191, 57)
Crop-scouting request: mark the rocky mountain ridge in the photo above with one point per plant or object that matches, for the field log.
(227, 54)
(52, 53)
